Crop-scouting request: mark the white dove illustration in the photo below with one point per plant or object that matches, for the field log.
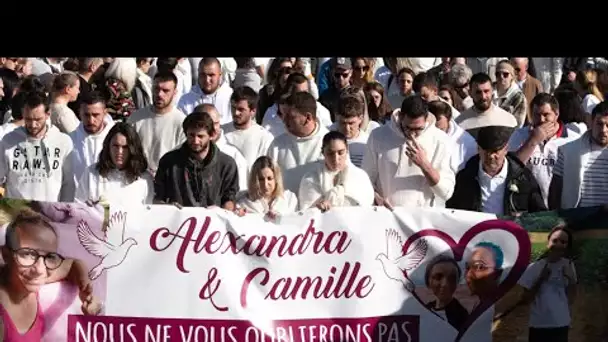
(395, 262)
(112, 249)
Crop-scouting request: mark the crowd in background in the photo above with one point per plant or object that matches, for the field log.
(277, 135)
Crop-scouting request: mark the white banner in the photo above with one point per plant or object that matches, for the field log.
(351, 274)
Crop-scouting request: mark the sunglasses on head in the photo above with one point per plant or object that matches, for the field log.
(502, 74)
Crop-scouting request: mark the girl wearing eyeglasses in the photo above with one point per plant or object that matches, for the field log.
(31, 261)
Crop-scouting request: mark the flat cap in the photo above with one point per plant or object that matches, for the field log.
(492, 138)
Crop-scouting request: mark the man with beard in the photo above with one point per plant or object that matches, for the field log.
(197, 174)
(89, 135)
(484, 112)
(496, 181)
(243, 132)
(159, 125)
(211, 88)
(579, 175)
(35, 160)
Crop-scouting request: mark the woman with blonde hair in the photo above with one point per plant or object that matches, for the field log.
(588, 80)
(363, 71)
(265, 193)
(120, 79)
(65, 89)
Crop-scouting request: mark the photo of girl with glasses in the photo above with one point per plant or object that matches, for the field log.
(31, 261)
(550, 285)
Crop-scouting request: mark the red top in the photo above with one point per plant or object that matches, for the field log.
(34, 334)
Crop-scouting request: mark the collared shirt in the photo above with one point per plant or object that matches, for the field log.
(493, 190)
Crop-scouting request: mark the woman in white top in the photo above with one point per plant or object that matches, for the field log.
(120, 176)
(265, 194)
(65, 89)
(335, 181)
(550, 285)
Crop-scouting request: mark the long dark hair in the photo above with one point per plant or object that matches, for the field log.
(568, 254)
(136, 164)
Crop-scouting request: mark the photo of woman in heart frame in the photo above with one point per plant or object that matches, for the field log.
(442, 276)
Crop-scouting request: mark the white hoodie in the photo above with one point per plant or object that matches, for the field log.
(352, 188)
(285, 204)
(274, 124)
(114, 188)
(463, 144)
(296, 155)
(397, 178)
(87, 148)
(220, 99)
(252, 142)
(239, 159)
(37, 169)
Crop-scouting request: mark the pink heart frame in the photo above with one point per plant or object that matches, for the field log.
(458, 249)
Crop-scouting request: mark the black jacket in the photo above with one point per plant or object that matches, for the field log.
(467, 193)
(196, 183)
(456, 313)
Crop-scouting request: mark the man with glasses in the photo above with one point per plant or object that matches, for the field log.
(30, 254)
(496, 181)
(408, 159)
(342, 71)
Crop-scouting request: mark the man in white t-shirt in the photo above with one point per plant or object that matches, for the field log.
(536, 145)
(160, 125)
(349, 117)
(251, 139)
(297, 150)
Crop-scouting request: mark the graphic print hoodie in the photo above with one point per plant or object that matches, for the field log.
(37, 169)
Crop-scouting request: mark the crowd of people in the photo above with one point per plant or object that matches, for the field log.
(273, 136)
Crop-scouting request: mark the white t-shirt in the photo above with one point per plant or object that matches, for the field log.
(252, 142)
(543, 158)
(550, 307)
(159, 133)
(356, 146)
(493, 190)
(589, 102)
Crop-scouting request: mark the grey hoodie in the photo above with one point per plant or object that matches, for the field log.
(37, 169)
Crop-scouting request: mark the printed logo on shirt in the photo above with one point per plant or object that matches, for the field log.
(544, 161)
(34, 163)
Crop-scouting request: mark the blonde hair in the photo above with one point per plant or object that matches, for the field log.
(253, 186)
(125, 70)
(370, 62)
(591, 84)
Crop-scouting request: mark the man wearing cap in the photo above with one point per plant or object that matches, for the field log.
(341, 73)
(496, 181)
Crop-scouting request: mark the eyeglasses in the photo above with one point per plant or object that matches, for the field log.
(362, 68)
(341, 74)
(502, 74)
(27, 257)
(477, 266)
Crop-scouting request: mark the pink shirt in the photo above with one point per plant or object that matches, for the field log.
(34, 334)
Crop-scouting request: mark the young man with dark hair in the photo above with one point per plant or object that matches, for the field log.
(484, 112)
(300, 147)
(350, 111)
(35, 159)
(160, 125)
(197, 174)
(408, 159)
(580, 171)
(251, 139)
(89, 135)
